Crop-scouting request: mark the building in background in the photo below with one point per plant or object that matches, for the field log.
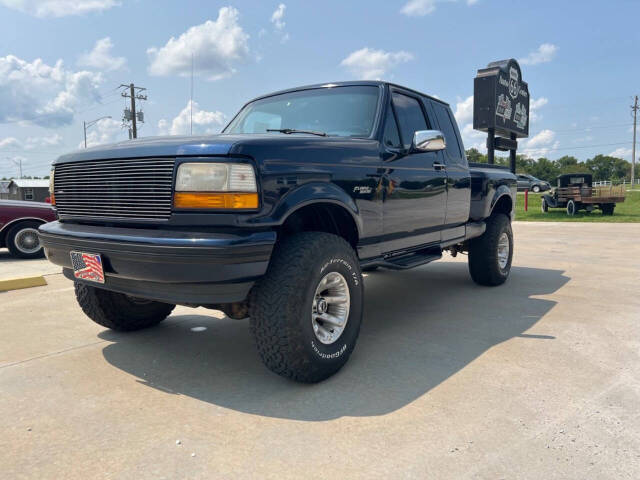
(24, 189)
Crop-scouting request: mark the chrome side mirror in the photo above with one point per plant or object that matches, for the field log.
(428, 141)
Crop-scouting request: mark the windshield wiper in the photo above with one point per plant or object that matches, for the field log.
(289, 131)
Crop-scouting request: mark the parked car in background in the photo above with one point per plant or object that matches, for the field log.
(19, 222)
(531, 183)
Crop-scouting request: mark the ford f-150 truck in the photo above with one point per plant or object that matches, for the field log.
(276, 218)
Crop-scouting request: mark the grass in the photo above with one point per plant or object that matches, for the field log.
(626, 212)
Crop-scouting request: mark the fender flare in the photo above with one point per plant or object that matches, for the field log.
(313, 193)
(501, 191)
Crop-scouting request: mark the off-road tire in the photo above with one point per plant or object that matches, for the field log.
(118, 311)
(11, 240)
(483, 252)
(608, 208)
(280, 307)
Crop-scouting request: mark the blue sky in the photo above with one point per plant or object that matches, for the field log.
(62, 60)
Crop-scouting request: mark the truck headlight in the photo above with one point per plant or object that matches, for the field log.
(216, 185)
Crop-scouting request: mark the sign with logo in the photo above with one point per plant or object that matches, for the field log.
(501, 100)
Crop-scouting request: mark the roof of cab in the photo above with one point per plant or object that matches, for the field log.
(373, 83)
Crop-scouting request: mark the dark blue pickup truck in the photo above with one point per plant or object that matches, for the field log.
(276, 218)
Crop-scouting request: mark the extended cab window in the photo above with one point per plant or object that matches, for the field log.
(410, 117)
(341, 111)
(454, 152)
(391, 136)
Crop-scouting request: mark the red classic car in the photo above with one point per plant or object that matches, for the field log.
(19, 222)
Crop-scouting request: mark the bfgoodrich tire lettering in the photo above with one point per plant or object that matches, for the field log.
(280, 306)
(484, 252)
(118, 311)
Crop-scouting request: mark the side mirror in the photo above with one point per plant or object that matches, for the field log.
(428, 141)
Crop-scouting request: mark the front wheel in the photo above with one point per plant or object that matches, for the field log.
(118, 311)
(544, 206)
(307, 309)
(490, 255)
(571, 208)
(536, 189)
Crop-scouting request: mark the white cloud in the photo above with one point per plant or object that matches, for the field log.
(104, 131)
(621, 153)
(59, 8)
(43, 94)
(204, 122)
(420, 8)
(534, 105)
(101, 57)
(540, 144)
(464, 110)
(277, 17)
(10, 142)
(545, 53)
(371, 64)
(215, 46)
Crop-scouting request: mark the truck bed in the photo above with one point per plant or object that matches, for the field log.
(486, 179)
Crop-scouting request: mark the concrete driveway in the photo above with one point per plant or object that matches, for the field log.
(539, 378)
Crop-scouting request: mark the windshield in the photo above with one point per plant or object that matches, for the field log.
(339, 111)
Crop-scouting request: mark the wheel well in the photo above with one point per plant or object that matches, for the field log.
(503, 205)
(322, 217)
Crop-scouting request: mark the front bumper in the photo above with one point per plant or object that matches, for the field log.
(182, 267)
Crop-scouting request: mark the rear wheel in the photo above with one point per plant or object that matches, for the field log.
(23, 242)
(607, 208)
(490, 255)
(571, 208)
(118, 311)
(307, 309)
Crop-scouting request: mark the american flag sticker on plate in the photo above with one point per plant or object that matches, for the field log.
(87, 266)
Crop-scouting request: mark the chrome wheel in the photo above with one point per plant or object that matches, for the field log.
(26, 240)
(330, 308)
(503, 250)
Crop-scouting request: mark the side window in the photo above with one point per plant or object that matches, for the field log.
(28, 193)
(410, 117)
(391, 137)
(448, 129)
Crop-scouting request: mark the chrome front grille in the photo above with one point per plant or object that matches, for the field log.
(118, 189)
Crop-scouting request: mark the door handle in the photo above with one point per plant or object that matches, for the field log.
(439, 166)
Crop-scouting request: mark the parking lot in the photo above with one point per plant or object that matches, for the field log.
(538, 378)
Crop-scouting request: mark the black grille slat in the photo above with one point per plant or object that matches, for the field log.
(115, 189)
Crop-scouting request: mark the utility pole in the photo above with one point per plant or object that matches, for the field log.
(17, 161)
(132, 115)
(634, 108)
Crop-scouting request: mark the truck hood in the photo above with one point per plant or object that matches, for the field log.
(223, 144)
(156, 147)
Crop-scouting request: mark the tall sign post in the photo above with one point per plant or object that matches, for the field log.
(501, 107)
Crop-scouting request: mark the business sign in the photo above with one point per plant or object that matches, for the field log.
(501, 100)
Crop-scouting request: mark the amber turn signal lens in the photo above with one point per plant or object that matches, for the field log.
(215, 200)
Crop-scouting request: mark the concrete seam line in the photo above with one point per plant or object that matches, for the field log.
(25, 282)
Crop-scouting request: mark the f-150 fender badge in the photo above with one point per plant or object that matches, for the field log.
(362, 189)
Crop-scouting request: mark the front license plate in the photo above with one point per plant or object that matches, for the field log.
(87, 266)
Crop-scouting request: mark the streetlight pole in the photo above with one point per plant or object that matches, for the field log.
(17, 161)
(86, 125)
